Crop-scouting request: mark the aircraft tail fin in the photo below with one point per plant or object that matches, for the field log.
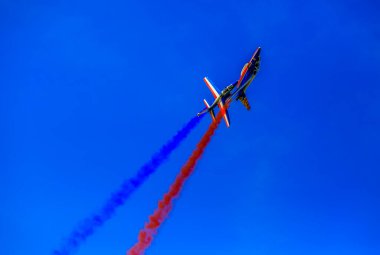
(211, 111)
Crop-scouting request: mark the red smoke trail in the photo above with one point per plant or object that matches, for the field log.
(165, 205)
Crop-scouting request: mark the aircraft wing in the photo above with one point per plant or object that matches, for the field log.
(213, 90)
(226, 116)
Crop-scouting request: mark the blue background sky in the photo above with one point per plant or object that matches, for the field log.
(89, 90)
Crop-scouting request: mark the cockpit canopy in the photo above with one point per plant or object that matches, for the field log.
(228, 89)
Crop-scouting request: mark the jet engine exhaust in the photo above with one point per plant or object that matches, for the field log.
(165, 205)
(89, 225)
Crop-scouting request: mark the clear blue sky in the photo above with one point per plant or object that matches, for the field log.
(89, 90)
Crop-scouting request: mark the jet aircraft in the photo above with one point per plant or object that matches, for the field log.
(235, 91)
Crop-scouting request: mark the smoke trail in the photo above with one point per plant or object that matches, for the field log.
(164, 206)
(87, 227)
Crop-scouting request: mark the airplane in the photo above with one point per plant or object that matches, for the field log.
(235, 91)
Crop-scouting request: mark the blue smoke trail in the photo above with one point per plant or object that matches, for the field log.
(88, 226)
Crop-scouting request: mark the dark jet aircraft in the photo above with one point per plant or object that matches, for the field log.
(235, 91)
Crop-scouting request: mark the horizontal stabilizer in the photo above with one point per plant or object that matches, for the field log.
(211, 111)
